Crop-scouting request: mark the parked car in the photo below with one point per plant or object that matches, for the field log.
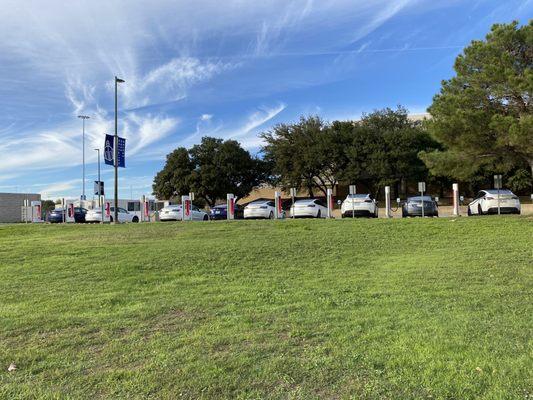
(56, 216)
(221, 212)
(173, 213)
(486, 202)
(413, 207)
(260, 209)
(95, 215)
(309, 208)
(359, 205)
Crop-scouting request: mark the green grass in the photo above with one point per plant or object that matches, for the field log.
(365, 309)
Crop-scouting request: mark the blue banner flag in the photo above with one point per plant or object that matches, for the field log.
(109, 153)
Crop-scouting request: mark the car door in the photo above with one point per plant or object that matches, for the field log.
(271, 209)
(197, 215)
(476, 202)
(322, 207)
(124, 216)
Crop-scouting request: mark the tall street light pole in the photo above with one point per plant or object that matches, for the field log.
(83, 117)
(117, 81)
(99, 194)
(100, 202)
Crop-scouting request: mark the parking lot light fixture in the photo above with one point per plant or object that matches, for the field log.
(83, 118)
(115, 217)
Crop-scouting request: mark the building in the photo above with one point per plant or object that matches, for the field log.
(12, 204)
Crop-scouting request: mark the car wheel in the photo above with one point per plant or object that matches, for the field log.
(271, 215)
(206, 218)
(318, 214)
(135, 219)
(479, 210)
(469, 211)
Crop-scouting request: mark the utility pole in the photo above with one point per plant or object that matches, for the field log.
(100, 203)
(83, 118)
(115, 217)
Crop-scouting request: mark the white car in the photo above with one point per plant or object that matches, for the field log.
(95, 215)
(309, 208)
(173, 213)
(260, 209)
(486, 202)
(359, 205)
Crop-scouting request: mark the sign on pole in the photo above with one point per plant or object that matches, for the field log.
(422, 189)
(353, 191)
(498, 185)
(109, 153)
(230, 206)
(99, 188)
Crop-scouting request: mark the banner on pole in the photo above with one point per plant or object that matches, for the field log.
(109, 151)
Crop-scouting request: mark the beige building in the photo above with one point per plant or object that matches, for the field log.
(11, 205)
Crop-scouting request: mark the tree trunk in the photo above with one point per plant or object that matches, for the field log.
(310, 190)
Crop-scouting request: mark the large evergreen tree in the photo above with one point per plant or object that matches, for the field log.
(484, 114)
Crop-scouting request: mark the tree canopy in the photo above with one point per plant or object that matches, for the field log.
(210, 169)
(484, 114)
(303, 155)
(380, 149)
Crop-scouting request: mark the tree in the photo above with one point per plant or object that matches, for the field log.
(382, 149)
(47, 206)
(211, 170)
(175, 177)
(484, 115)
(305, 154)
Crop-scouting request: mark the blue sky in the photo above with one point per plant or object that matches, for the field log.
(229, 69)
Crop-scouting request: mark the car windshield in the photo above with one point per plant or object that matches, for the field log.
(304, 201)
(419, 198)
(220, 206)
(357, 196)
(259, 203)
(502, 192)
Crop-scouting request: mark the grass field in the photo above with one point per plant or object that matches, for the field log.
(365, 309)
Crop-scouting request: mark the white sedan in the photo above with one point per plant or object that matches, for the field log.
(359, 205)
(95, 215)
(309, 208)
(486, 202)
(260, 209)
(173, 213)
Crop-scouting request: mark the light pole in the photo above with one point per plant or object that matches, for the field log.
(83, 118)
(117, 81)
(100, 203)
(99, 194)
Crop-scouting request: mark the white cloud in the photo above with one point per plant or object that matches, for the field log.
(206, 117)
(59, 188)
(255, 120)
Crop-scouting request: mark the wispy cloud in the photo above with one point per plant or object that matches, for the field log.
(256, 119)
